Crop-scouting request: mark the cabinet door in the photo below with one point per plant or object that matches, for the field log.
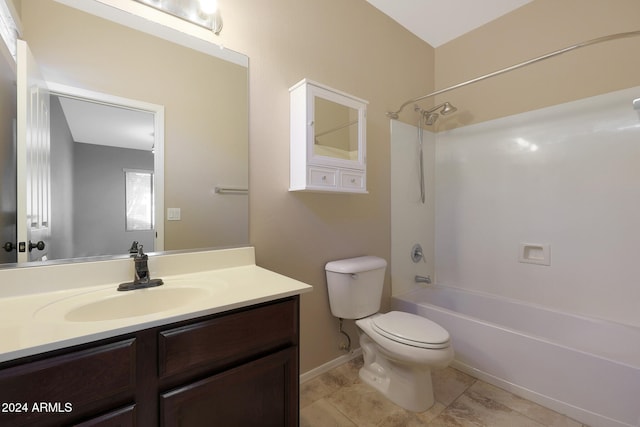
(124, 417)
(261, 393)
(57, 390)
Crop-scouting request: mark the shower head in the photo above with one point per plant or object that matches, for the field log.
(430, 115)
(445, 108)
(430, 119)
(448, 108)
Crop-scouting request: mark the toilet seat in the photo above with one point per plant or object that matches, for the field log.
(407, 328)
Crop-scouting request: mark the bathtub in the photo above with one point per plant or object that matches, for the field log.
(585, 368)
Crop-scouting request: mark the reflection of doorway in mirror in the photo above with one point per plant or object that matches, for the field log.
(336, 130)
(8, 238)
(95, 137)
(33, 190)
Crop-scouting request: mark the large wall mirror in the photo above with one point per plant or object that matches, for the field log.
(131, 115)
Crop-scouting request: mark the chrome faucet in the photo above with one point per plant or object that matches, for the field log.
(133, 250)
(141, 278)
(423, 279)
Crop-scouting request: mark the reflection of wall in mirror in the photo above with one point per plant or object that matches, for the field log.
(205, 100)
(7, 153)
(90, 220)
(336, 130)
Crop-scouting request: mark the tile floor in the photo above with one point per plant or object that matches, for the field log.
(338, 398)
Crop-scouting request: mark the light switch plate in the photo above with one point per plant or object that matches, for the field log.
(173, 214)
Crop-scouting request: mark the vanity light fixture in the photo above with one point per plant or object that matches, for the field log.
(9, 31)
(209, 6)
(204, 13)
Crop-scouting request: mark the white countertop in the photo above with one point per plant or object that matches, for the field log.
(36, 322)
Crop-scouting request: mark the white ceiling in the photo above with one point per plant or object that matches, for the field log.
(439, 21)
(93, 123)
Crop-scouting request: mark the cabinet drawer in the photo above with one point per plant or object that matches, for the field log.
(227, 339)
(323, 177)
(354, 180)
(69, 386)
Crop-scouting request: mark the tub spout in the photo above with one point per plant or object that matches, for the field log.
(423, 279)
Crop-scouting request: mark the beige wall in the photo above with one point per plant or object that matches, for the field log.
(352, 47)
(537, 28)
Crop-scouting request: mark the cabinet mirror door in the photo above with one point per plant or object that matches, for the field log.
(335, 130)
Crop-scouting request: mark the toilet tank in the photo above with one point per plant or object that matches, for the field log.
(355, 286)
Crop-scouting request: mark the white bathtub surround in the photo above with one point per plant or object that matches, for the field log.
(540, 212)
(585, 368)
(566, 176)
(411, 220)
(44, 308)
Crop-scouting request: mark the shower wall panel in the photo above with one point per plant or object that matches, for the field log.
(566, 176)
(412, 222)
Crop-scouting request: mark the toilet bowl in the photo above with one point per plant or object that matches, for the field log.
(399, 349)
(399, 355)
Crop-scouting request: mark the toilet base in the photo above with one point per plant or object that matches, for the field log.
(408, 386)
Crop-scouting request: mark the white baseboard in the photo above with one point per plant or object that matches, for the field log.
(309, 375)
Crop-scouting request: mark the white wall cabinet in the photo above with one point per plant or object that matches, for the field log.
(328, 140)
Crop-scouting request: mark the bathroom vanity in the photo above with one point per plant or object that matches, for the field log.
(234, 361)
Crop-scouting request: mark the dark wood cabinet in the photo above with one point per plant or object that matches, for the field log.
(238, 368)
(251, 395)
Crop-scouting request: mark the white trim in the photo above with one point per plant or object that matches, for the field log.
(158, 157)
(315, 372)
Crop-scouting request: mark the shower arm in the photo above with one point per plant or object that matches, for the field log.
(394, 114)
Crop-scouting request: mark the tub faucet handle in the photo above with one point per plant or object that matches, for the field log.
(417, 254)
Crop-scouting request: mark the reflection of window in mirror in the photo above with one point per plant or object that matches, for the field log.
(139, 199)
(336, 130)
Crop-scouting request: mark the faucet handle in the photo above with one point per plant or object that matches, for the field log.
(134, 248)
(141, 253)
(417, 254)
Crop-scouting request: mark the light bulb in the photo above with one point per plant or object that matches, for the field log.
(209, 6)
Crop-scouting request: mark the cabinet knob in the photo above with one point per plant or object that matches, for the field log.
(324, 177)
(353, 180)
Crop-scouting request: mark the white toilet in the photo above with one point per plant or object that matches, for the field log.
(399, 349)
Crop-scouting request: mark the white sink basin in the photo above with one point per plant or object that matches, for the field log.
(110, 304)
(135, 303)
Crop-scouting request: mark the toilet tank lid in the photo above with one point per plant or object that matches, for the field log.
(356, 265)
